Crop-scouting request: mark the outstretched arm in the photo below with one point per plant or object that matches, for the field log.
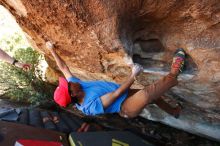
(109, 98)
(5, 57)
(60, 63)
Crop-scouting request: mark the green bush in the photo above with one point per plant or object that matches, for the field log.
(22, 86)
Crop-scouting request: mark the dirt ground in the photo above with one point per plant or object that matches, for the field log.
(154, 132)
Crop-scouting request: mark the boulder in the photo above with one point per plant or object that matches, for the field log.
(100, 40)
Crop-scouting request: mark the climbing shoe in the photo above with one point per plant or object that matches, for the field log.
(178, 61)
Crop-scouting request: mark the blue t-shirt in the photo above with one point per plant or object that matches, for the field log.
(92, 104)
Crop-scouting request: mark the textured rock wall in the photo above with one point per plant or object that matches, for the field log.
(98, 38)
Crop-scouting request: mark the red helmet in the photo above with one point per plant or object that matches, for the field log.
(61, 94)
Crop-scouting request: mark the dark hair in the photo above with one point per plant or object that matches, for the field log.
(74, 100)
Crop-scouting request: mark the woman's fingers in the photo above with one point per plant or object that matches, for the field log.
(49, 45)
(136, 69)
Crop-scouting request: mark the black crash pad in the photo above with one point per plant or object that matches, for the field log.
(106, 138)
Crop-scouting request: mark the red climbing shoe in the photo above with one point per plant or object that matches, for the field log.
(178, 62)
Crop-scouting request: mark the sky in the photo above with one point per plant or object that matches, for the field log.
(9, 26)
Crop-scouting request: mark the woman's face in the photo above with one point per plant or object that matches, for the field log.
(75, 90)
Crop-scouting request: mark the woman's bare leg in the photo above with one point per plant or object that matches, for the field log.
(134, 104)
